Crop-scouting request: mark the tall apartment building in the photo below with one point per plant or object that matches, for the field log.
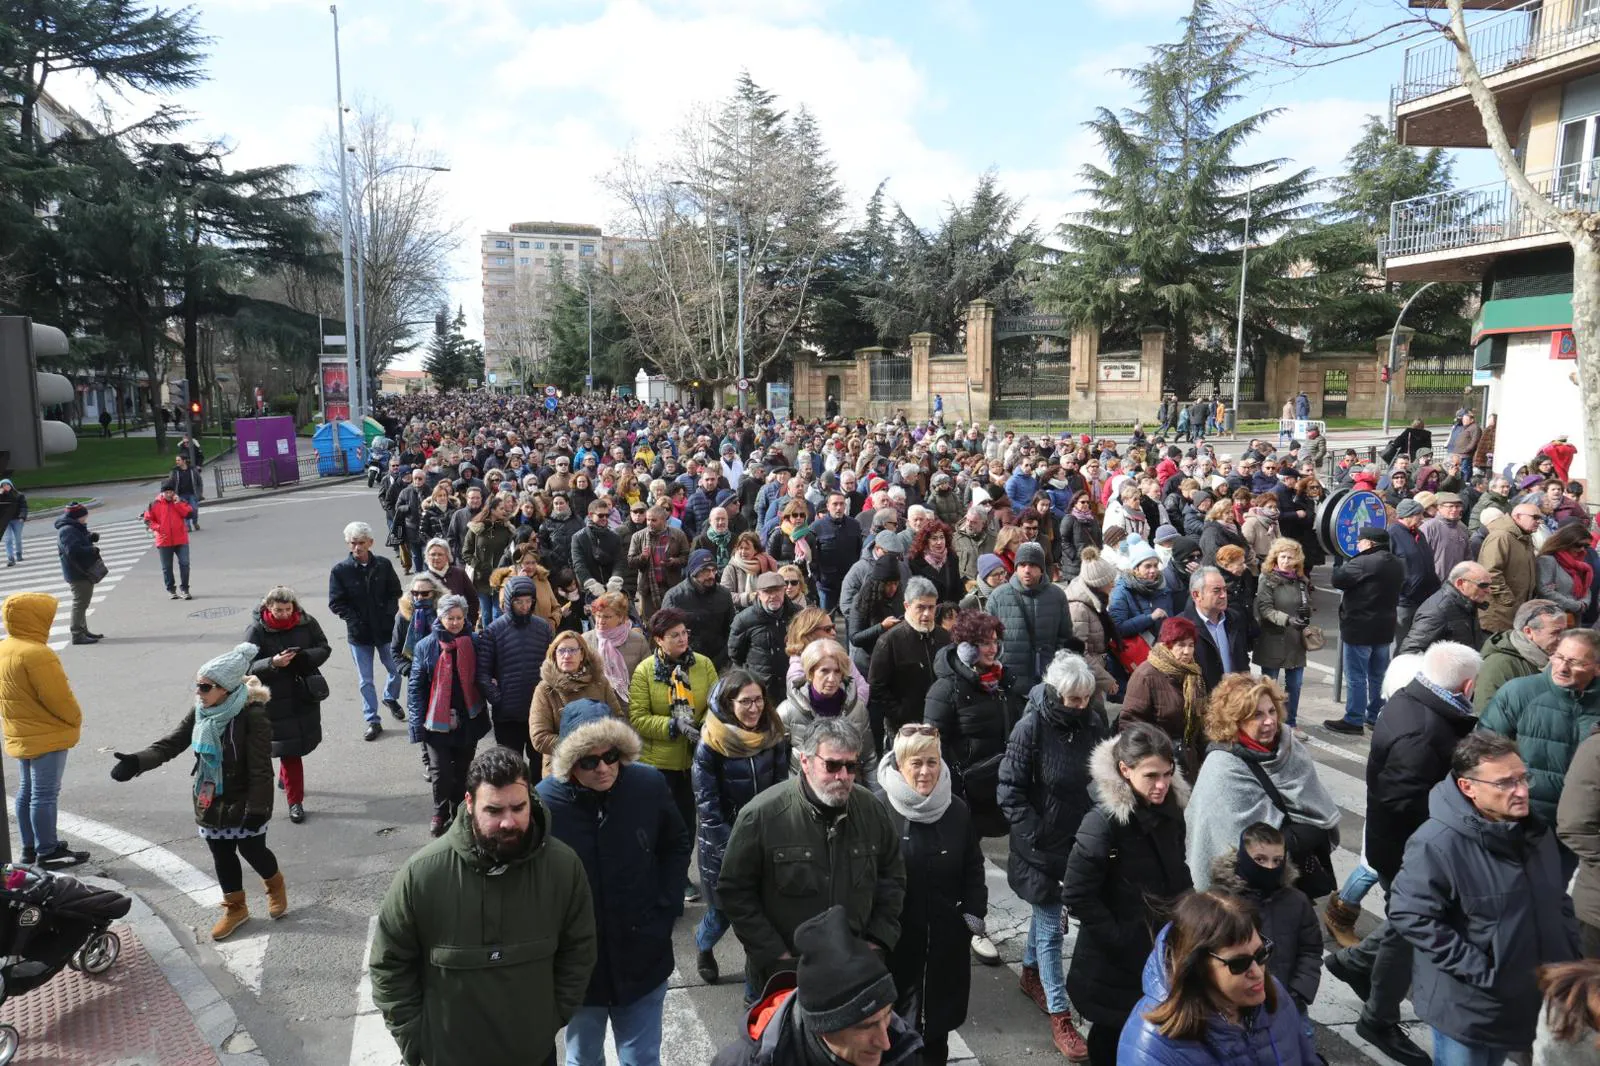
(1541, 59)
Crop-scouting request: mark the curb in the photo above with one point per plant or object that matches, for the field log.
(212, 1014)
(299, 486)
(91, 503)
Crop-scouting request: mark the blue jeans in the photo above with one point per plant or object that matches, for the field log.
(362, 654)
(636, 1028)
(193, 520)
(1358, 884)
(36, 801)
(488, 609)
(1292, 678)
(1448, 1052)
(13, 537)
(1043, 951)
(181, 552)
(1364, 667)
(827, 598)
(711, 929)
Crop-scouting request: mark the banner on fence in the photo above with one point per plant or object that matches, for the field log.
(335, 390)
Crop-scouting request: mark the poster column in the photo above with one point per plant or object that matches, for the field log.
(335, 389)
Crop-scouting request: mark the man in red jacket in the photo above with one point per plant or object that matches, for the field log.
(167, 516)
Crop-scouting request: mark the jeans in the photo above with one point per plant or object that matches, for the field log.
(181, 552)
(711, 929)
(1450, 1052)
(1043, 951)
(636, 1028)
(1292, 678)
(36, 801)
(362, 654)
(13, 538)
(488, 609)
(827, 598)
(1386, 956)
(193, 521)
(1364, 667)
(1358, 884)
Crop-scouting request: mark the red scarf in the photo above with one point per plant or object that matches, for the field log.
(1577, 568)
(1252, 744)
(270, 620)
(457, 665)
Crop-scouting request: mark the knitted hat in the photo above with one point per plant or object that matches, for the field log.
(1184, 547)
(1139, 553)
(841, 981)
(1114, 535)
(1176, 630)
(1426, 499)
(1097, 572)
(1408, 508)
(1030, 553)
(76, 510)
(988, 564)
(1164, 534)
(229, 668)
(699, 560)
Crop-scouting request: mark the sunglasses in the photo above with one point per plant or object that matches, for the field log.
(421, 594)
(1239, 965)
(791, 584)
(919, 729)
(842, 766)
(204, 687)
(610, 758)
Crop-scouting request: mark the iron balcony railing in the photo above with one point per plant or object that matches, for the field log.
(1485, 214)
(1522, 34)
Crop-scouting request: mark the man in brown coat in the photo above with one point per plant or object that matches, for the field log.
(1509, 557)
(658, 552)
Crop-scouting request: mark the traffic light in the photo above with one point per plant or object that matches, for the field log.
(194, 409)
(25, 436)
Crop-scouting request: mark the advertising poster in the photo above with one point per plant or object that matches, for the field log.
(335, 390)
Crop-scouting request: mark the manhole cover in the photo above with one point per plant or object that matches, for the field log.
(217, 612)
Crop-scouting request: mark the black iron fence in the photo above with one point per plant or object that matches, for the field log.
(273, 472)
(891, 378)
(1438, 375)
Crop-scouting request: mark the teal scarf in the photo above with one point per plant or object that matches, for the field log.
(209, 723)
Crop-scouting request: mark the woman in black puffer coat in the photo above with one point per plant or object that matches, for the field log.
(1126, 869)
(743, 751)
(1044, 792)
(1079, 529)
(293, 648)
(974, 704)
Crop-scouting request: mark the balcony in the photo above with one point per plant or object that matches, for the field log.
(1453, 236)
(1521, 49)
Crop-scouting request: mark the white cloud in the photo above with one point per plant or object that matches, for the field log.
(1139, 9)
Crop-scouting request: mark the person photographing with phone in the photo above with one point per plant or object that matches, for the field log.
(167, 518)
(292, 651)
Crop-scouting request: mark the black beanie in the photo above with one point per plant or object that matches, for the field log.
(841, 980)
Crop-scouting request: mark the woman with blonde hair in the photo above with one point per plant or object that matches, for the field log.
(826, 689)
(1260, 528)
(571, 671)
(811, 624)
(1220, 530)
(1283, 607)
(1256, 771)
(616, 642)
(795, 586)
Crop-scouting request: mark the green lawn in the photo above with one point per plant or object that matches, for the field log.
(45, 503)
(108, 459)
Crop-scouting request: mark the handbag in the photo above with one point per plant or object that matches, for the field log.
(1310, 846)
(97, 571)
(1315, 638)
(1129, 651)
(315, 685)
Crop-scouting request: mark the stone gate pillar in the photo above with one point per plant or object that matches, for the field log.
(980, 356)
(921, 405)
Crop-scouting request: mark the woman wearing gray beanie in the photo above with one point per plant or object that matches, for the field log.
(230, 735)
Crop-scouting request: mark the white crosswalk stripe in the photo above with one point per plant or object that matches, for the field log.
(121, 545)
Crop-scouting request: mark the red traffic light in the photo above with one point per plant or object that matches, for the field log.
(194, 408)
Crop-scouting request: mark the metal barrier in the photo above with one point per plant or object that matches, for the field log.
(274, 472)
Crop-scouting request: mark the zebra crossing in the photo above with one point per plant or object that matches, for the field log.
(121, 545)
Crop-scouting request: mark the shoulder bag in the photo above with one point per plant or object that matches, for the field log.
(97, 570)
(1310, 846)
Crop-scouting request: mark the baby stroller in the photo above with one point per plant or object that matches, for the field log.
(48, 921)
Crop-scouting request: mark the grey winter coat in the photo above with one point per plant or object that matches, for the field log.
(1556, 584)
(1037, 623)
(1446, 615)
(1483, 905)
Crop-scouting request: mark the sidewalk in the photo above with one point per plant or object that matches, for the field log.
(155, 1007)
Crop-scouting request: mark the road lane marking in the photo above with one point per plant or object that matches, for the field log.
(370, 1042)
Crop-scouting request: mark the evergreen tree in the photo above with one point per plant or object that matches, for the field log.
(452, 360)
(567, 334)
(1160, 245)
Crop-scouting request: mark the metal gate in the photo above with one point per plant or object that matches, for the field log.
(890, 378)
(1335, 393)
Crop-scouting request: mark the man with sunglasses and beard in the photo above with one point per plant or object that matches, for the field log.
(459, 954)
(808, 844)
(618, 815)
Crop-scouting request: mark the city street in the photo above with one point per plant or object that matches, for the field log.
(296, 985)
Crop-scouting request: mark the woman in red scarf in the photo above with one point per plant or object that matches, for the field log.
(444, 708)
(292, 648)
(1566, 572)
(932, 558)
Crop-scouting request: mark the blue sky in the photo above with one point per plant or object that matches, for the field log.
(530, 101)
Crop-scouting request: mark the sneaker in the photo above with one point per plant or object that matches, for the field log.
(1339, 725)
(173, 593)
(297, 813)
(984, 951)
(691, 893)
(1393, 1042)
(1033, 988)
(186, 595)
(705, 964)
(1339, 918)
(372, 731)
(28, 857)
(62, 855)
(395, 709)
(1360, 981)
(1068, 1040)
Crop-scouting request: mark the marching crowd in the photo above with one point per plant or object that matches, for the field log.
(796, 672)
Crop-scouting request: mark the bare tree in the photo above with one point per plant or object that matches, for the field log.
(1318, 32)
(408, 235)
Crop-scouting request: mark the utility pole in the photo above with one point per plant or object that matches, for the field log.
(1238, 344)
(1388, 385)
(352, 370)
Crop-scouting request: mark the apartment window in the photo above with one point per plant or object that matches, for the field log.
(539, 261)
(538, 246)
(1578, 156)
(522, 260)
(522, 244)
(587, 249)
(502, 244)
(569, 246)
(502, 260)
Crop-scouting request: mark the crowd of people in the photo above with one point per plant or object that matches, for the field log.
(796, 671)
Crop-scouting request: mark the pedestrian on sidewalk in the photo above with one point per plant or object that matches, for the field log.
(444, 709)
(364, 591)
(81, 566)
(473, 887)
(165, 518)
(42, 723)
(293, 648)
(13, 512)
(185, 479)
(230, 735)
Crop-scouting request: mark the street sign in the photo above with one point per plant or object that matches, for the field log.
(550, 391)
(549, 403)
(744, 384)
(491, 377)
(1341, 516)
(333, 340)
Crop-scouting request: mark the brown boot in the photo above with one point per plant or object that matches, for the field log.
(234, 914)
(277, 895)
(1033, 988)
(1068, 1040)
(1340, 920)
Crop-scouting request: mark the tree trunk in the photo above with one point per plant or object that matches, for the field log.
(1586, 333)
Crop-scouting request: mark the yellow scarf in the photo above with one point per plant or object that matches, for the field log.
(1194, 689)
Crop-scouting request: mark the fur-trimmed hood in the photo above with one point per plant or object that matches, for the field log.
(1112, 791)
(1225, 878)
(607, 732)
(259, 693)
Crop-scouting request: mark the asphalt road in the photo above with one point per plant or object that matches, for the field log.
(296, 984)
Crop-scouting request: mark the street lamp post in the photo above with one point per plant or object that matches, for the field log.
(1388, 386)
(1238, 344)
(344, 213)
(588, 291)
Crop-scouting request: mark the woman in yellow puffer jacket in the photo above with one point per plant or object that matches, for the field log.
(42, 722)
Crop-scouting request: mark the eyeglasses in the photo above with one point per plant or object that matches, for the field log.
(1239, 965)
(919, 729)
(591, 762)
(748, 701)
(569, 649)
(1505, 784)
(1569, 661)
(841, 766)
(421, 594)
(1483, 584)
(204, 687)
